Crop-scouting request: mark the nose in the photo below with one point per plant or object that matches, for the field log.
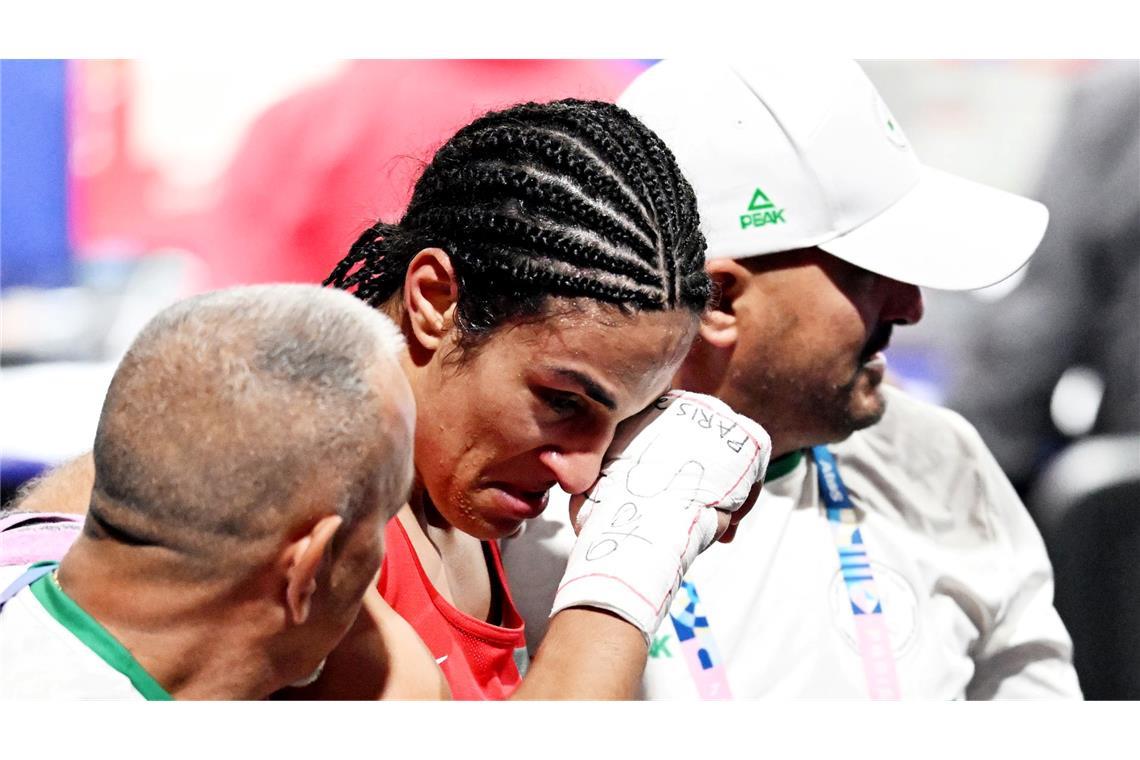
(575, 470)
(903, 304)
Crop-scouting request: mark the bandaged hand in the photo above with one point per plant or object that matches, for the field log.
(671, 470)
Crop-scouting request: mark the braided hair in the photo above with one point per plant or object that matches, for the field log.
(574, 198)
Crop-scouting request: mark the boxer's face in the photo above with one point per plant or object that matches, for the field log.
(536, 405)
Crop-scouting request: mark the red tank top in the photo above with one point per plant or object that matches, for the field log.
(477, 658)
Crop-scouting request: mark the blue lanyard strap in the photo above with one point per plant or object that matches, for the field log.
(871, 633)
(841, 514)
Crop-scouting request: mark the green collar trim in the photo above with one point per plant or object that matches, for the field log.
(781, 466)
(95, 637)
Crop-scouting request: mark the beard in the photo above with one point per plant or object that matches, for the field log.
(853, 406)
(858, 403)
(801, 409)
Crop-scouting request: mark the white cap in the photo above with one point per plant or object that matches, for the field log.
(785, 156)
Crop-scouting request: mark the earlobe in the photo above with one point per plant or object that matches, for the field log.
(718, 329)
(304, 562)
(430, 296)
(719, 324)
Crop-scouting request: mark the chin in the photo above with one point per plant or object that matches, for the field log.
(494, 527)
(485, 530)
(865, 408)
(477, 517)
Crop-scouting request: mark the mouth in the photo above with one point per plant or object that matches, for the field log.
(519, 502)
(876, 344)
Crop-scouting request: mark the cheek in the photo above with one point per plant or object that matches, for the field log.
(459, 441)
(444, 423)
(802, 349)
(440, 459)
(839, 334)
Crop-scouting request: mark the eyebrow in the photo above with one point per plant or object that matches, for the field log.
(591, 388)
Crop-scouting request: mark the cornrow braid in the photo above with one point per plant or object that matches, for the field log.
(660, 186)
(598, 129)
(562, 242)
(559, 153)
(540, 191)
(570, 199)
(633, 145)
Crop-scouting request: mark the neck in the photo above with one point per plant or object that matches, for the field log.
(426, 513)
(171, 626)
(439, 544)
(706, 371)
(453, 560)
(781, 450)
(440, 534)
(780, 466)
(784, 445)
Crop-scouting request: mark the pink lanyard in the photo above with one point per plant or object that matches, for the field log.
(871, 633)
(699, 648)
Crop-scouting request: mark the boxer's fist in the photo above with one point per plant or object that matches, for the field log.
(670, 481)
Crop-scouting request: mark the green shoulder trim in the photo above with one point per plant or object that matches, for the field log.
(95, 637)
(780, 467)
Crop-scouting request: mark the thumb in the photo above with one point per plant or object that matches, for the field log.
(580, 508)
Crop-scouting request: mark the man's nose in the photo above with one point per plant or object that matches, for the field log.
(903, 304)
(576, 470)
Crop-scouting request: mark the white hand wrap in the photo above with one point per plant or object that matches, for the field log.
(654, 508)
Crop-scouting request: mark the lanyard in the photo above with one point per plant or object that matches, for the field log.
(706, 665)
(871, 632)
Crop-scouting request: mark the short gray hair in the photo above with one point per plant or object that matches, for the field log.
(294, 329)
(228, 403)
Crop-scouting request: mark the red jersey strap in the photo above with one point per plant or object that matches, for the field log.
(477, 658)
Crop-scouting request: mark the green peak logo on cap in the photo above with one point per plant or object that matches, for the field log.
(761, 211)
(760, 201)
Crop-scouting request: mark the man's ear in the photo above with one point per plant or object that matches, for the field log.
(430, 295)
(304, 558)
(719, 326)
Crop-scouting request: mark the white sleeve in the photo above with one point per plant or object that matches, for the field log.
(1025, 653)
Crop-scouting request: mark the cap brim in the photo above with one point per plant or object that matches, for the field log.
(947, 233)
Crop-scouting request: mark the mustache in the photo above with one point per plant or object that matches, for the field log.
(879, 340)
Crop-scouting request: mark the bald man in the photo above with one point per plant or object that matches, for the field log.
(252, 445)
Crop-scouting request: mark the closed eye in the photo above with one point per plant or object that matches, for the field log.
(561, 403)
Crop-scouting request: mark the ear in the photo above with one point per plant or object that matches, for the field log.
(719, 326)
(304, 559)
(430, 296)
